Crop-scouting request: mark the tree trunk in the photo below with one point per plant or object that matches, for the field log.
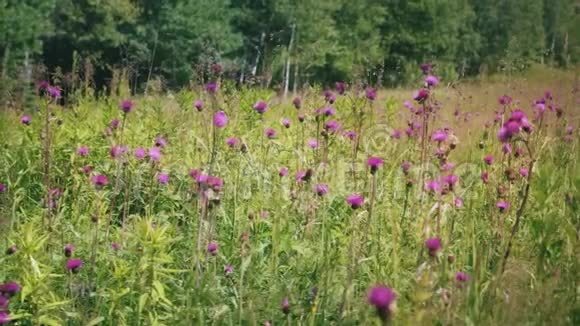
(287, 67)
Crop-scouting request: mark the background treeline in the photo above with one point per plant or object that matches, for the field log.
(283, 44)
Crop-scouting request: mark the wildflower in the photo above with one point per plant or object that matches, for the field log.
(4, 303)
(313, 143)
(505, 100)
(54, 92)
(355, 201)
(321, 189)
(117, 150)
(406, 166)
(160, 142)
(211, 87)
(228, 269)
(286, 122)
(114, 124)
(422, 95)
(303, 176)
(198, 104)
(524, 172)
(426, 68)
(115, 246)
(458, 202)
(461, 278)
(433, 245)
(212, 248)
(2, 188)
(220, 119)
(87, 169)
(261, 107)
(25, 120)
(506, 148)
(488, 159)
(375, 163)
(301, 117)
(383, 299)
(332, 126)
(297, 102)
(100, 181)
(126, 106)
(433, 186)
(154, 154)
(439, 136)
(569, 130)
(448, 166)
(396, 134)
(283, 171)
(450, 180)
(68, 250)
(232, 142)
(83, 151)
(215, 183)
(140, 153)
(163, 178)
(73, 265)
(340, 87)
(270, 133)
(484, 177)
(285, 306)
(370, 93)
(328, 111)
(10, 289)
(431, 81)
(4, 318)
(350, 134)
(11, 250)
(43, 85)
(329, 96)
(503, 206)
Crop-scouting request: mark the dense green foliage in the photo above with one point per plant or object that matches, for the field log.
(281, 43)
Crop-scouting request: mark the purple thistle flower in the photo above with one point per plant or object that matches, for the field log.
(220, 119)
(431, 81)
(2, 188)
(4, 302)
(458, 202)
(261, 107)
(212, 248)
(115, 246)
(215, 183)
(433, 186)
(332, 126)
(433, 245)
(126, 106)
(301, 117)
(10, 289)
(484, 177)
(321, 189)
(422, 95)
(350, 134)
(340, 87)
(503, 205)
(163, 178)
(54, 92)
(396, 134)
(160, 142)
(406, 166)
(383, 299)
(370, 93)
(355, 201)
(450, 180)
(286, 122)
(211, 87)
(328, 111)
(73, 265)
(489, 159)
(232, 142)
(25, 120)
(374, 163)
(505, 100)
(114, 124)
(228, 270)
(409, 106)
(285, 306)
(461, 278)
(68, 250)
(439, 136)
(313, 143)
(140, 153)
(283, 171)
(117, 150)
(506, 148)
(426, 68)
(270, 133)
(4, 318)
(448, 166)
(87, 169)
(154, 154)
(198, 105)
(100, 181)
(83, 151)
(297, 102)
(43, 85)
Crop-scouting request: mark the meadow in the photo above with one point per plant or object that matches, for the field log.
(445, 204)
